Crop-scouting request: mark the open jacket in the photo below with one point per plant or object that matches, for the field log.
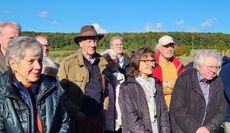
(135, 111)
(15, 114)
(157, 72)
(188, 110)
(74, 76)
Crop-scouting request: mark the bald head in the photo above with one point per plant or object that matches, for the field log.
(8, 30)
(43, 40)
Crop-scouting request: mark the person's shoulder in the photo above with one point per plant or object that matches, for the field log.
(51, 81)
(48, 78)
(103, 61)
(188, 73)
(128, 82)
(73, 57)
(70, 57)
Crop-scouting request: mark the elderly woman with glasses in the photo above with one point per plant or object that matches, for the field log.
(141, 98)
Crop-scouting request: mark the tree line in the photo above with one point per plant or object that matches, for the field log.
(132, 41)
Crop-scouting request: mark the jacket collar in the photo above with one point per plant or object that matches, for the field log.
(196, 86)
(6, 85)
(79, 56)
(7, 88)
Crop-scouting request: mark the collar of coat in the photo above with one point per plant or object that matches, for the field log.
(215, 84)
(7, 88)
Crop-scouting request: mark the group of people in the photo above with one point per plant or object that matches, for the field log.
(108, 92)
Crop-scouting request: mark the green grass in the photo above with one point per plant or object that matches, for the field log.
(61, 53)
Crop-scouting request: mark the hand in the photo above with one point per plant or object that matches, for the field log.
(202, 130)
(167, 84)
(120, 77)
(105, 110)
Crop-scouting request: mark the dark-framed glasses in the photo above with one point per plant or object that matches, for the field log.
(147, 62)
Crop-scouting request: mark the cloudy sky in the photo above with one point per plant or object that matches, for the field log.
(109, 16)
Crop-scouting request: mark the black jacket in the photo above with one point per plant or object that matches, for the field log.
(188, 107)
(135, 112)
(14, 112)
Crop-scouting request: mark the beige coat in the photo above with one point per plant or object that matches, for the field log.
(74, 76)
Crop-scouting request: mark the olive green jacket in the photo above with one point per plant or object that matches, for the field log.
(74, 76)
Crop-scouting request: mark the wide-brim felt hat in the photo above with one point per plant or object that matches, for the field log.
(88, 31)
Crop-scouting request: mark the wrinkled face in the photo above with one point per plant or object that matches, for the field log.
(89, 46)
(209, 69)
(28, 70)
(146, 66)
(45, 45)
(167, 51)
(117, 46)
(8, 34)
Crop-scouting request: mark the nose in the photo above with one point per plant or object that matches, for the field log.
(37, 65)
(171, 48)
(94, 43)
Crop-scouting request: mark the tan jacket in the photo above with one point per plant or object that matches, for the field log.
(74, 76)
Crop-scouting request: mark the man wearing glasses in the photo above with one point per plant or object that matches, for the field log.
(169, 67)
(116, 43)
(49, 67)
(198, 103)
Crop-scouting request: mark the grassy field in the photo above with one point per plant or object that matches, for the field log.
(61, 53)
(58, 55)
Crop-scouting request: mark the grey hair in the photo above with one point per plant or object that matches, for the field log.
(201, 56)
(157, 46)
(115, 38)
(107, 52)
(11, 24)
(17, 48)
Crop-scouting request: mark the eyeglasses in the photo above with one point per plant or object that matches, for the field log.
(147, 62)
(118, 44)
(213, 67)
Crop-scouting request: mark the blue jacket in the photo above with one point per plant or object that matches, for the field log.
(15, 110)
(224, 75)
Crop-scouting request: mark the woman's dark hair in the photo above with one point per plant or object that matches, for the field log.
(133, 69)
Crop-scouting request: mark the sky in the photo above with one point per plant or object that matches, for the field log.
(118, 16)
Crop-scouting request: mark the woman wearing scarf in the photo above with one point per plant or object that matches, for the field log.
(141, 98)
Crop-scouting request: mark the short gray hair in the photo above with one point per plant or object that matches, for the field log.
(11, 24)
(19, 45)
(115, 38)
(201, 56)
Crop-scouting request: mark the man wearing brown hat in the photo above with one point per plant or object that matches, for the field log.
(81, 75)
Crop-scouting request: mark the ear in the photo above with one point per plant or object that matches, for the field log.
(80, 44)
(13, 64)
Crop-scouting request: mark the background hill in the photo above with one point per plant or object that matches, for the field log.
(62, 44)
